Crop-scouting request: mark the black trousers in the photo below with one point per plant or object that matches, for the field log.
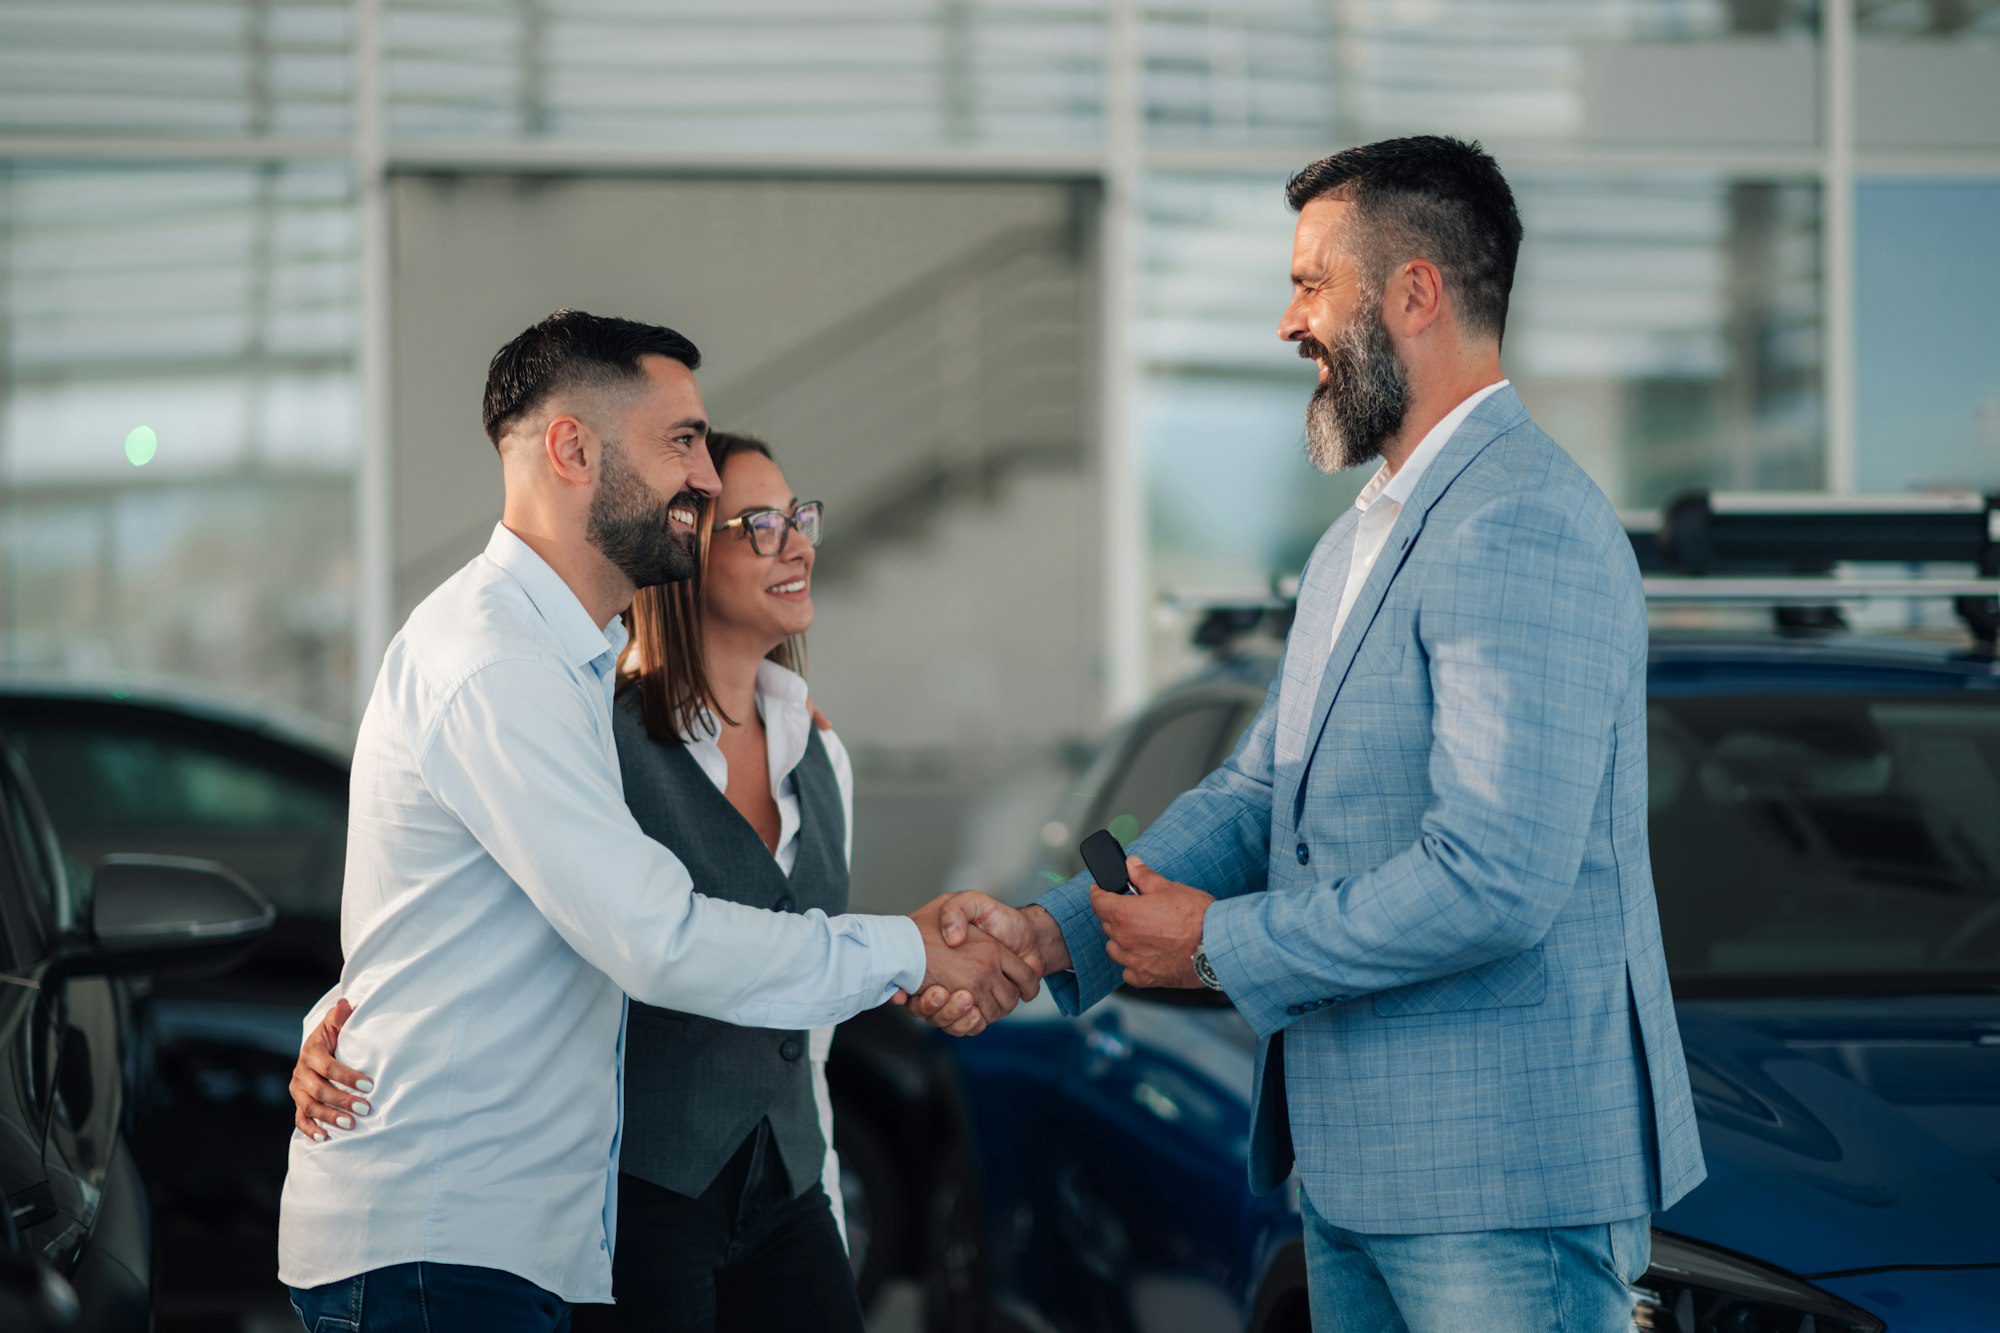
(746, 1257)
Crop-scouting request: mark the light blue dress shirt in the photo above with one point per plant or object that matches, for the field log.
(499, 905)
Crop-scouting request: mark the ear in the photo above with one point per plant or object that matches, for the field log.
(566, 442)
(1415, 298)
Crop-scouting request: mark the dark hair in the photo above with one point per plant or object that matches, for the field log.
(1432, 198)
(666, 660)
(572, 349)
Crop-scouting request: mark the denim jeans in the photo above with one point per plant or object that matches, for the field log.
(431, 1298)
(1553, 1279)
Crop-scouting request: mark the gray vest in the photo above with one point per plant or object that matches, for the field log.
(696, 1087)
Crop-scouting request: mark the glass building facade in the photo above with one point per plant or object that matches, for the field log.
(1760, 255)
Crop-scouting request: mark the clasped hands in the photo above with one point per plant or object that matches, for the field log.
(1152, 935)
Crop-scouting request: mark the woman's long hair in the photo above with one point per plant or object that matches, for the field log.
(665, 660)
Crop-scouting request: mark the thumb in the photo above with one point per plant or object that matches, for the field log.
(1144, 878)
(900, 997)
(336, 1017)
(952, 918)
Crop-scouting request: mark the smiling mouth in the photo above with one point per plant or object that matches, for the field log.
(682, 516)
(787, 589)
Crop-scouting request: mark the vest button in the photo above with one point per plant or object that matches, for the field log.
(791, 1049)
(1304, 855)
(787, 904)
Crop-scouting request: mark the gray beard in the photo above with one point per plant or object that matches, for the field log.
(1364, 399)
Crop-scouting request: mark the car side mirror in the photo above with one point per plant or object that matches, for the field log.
(170, 914)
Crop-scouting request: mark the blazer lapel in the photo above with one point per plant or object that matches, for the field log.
(1319, 595)
(1488, 421)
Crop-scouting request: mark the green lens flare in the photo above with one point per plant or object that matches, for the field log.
(1054, 877)
(1124, 828)
(141, 445)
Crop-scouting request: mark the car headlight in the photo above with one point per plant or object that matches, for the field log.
(1693, 1289)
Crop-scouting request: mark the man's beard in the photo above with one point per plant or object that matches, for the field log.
(1361, 404)
(628, 523)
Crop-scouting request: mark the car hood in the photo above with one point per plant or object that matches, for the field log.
(1845, 1134)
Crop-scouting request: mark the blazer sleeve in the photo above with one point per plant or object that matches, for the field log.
(1216, 837)
(1532, 651)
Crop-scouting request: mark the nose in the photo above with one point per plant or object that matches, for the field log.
(702, 476)
(1292, 324)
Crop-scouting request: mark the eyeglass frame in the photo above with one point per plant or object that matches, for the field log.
(791, 525)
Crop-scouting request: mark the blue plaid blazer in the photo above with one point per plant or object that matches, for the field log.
(1436, 902)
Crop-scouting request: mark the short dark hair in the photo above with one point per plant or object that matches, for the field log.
(572, 349)
(1427, 197)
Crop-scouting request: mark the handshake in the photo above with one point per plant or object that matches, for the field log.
(983, 957)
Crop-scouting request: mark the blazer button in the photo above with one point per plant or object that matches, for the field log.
(786, 903)
(1304, 855)
(791, 1050)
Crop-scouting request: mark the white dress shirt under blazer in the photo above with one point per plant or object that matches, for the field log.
(1384, 496)
(500, 903)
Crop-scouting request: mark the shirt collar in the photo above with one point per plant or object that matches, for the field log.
(1398, 488)
(778, 689)
(580, 638)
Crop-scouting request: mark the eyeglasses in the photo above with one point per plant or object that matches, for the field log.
(771, 529)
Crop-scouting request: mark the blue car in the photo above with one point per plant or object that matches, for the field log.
(1826, 842)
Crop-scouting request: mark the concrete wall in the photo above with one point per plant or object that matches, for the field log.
(917, 355)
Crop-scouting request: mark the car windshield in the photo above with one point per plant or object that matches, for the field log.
(1830, 839)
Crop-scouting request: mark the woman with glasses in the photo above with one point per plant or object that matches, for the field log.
(728, 1188)
(727, 1185)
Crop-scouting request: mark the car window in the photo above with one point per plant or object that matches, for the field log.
(113, 788)
(1173, 750)
(1826, 835)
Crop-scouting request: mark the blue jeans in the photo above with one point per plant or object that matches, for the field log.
(1558, 1279)
(431, 1298)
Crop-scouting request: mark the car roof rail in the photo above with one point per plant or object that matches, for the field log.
(1787, 551)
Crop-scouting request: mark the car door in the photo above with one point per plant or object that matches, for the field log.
(212, 1128)
(61, 1119)
(1143, 1218)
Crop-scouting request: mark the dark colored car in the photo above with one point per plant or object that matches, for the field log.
(1826, 841)
(77, 938)
(269, 800)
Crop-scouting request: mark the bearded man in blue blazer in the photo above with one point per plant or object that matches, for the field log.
(1423, 876)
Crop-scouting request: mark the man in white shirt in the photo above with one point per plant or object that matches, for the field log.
(500, 901)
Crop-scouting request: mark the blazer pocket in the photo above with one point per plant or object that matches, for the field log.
(1505, 983)
(1377, 659)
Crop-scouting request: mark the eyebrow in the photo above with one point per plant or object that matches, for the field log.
(765, 509)
(696, 424)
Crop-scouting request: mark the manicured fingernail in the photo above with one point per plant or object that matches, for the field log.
(343, 1122)
(319, 1138)
(361, 1108)
(365, 1085)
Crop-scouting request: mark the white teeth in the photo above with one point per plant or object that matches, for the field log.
(682, 516)
(796, 585)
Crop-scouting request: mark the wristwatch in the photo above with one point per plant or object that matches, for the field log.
(1204, 971)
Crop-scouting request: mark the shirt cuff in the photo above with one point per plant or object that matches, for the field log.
(901, 946)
